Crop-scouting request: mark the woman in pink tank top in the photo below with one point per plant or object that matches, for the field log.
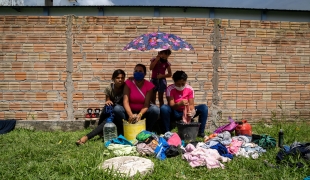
(136, 100)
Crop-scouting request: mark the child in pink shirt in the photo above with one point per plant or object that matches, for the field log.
(179, 95)
(158, 66)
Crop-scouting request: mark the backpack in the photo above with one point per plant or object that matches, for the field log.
(296, 151)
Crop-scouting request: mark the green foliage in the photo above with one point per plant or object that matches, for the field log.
(27, 154)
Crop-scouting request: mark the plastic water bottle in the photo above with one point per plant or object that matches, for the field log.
(109, 130)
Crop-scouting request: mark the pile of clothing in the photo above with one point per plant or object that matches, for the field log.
(162, 147)
(219, 148)
(148, 144)
(215, 150)
(241, 145)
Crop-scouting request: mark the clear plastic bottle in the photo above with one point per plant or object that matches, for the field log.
(109, 130)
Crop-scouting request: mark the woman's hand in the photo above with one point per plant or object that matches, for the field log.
(183, 102)
(133, 118)
(139, 116)
(191, 113)
(108, 103)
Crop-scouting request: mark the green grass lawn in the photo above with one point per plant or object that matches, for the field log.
(32, 155)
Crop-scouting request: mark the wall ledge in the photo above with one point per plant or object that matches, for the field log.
(56, 125)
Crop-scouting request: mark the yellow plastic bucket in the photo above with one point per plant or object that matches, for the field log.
(131, 130)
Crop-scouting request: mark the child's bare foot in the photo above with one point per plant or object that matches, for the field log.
(82, 141)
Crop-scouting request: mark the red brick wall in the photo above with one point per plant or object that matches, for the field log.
(263, 64)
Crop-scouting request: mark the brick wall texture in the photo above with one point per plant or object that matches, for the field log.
(243, 68)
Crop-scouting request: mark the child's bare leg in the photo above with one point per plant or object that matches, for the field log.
(161, 98)
(153, 99)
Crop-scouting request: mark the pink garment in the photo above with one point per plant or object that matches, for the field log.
(136, 100)
(174, 140)
(186, 118)
(234, 147)
(159, 68)
(187, 93)
(203, 157)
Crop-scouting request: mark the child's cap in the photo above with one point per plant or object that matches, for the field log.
(166, 52)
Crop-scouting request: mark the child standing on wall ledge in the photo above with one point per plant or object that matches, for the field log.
(158, 66)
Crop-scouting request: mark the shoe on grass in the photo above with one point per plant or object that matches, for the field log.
(88, 116)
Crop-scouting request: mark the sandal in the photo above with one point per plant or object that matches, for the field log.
(80, 141)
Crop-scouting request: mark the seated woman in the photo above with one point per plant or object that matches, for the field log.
(180, 95)
(137, 96)
(114, 97)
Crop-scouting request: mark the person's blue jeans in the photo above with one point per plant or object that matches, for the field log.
(151, 116)
(167, 113)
